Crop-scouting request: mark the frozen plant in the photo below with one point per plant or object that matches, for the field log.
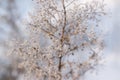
(64, 40)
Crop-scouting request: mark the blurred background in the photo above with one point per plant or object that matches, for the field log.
(14, 12)
(12, 16)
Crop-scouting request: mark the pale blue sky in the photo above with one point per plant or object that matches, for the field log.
(111, 68)
(111, 25)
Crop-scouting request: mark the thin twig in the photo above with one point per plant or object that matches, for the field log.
(70, 3)
(49, 33)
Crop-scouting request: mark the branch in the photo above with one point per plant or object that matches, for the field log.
(62, 37)
(49, 33)
(64, 25)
